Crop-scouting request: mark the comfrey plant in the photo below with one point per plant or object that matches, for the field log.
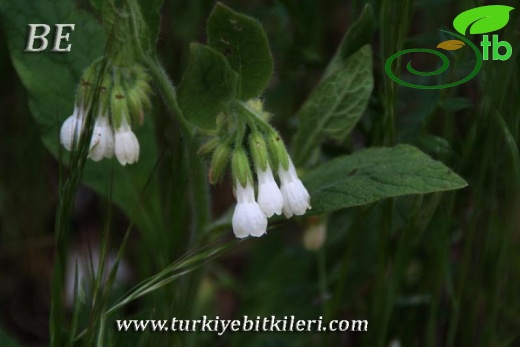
(220, 94)
(123, 90)
(247, 123)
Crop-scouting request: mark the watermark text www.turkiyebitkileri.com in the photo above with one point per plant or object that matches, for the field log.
(257, 324)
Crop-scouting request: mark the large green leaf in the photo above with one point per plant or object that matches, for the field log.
(483, 19)
(377, 173)
(51, 80)
(244, 43)
(335, 105)
(207, 86)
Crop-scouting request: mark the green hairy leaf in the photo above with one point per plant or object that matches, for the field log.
(335, 105)
(377, 173)
(483, 19)
(207, 86)
(51, 80)
(244, 43)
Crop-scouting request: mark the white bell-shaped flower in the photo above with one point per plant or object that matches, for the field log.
(248, 218)
(270, 197)
(296, 199)
(102, 141)
(126, 144)
(71, 129)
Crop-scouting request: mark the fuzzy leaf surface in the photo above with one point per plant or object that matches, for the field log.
(207, 86)
(243, 41)
(374, 174)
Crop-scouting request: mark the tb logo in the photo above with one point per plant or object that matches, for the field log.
(495, 44)
(480, 20)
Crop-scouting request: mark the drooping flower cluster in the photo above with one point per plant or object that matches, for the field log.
(266, 151)
(118, 106)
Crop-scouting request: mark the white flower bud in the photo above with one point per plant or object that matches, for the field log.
(102, 141)
(71, 129)
(296, 199)
(270, 197)
(248, 218)
(126, 144)
(315, 234)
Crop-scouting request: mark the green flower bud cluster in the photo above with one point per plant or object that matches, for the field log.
(244, 138)
(129, 96)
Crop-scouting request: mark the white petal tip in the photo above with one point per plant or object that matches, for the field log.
(288, 214)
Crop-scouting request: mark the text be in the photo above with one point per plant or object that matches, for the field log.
(41, 39)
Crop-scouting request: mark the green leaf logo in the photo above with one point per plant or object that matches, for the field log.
(482, 20)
